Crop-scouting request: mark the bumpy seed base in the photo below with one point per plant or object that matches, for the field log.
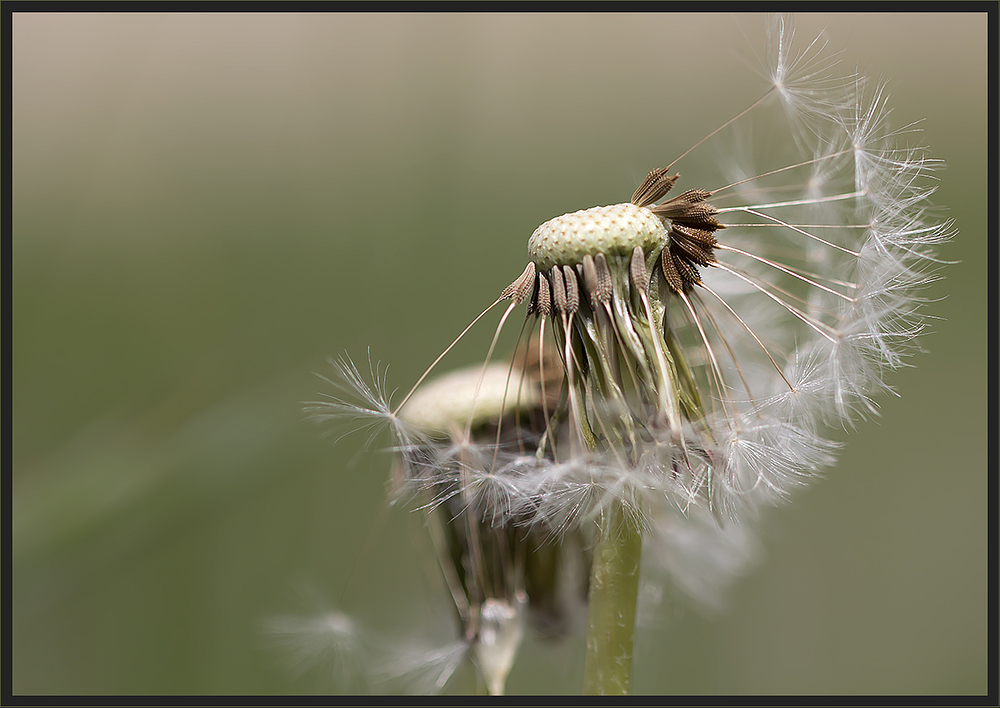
(618, 228)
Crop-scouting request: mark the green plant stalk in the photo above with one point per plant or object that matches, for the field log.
(614, 591)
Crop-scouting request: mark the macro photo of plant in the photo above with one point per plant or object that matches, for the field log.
(514, 353)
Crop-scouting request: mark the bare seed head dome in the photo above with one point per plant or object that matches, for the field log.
(618, 228)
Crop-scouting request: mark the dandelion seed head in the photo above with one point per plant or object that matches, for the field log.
(701, 367)
(681, 354)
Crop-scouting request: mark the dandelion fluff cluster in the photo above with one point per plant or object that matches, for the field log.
(683, 352)
(705, 335)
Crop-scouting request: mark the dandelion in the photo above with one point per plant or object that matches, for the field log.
(465, 443)
(476, 438)
(688, 347)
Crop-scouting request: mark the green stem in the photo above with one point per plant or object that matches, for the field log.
(614, 590)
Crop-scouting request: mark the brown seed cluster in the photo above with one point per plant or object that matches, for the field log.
(692, 237)
(690, 244)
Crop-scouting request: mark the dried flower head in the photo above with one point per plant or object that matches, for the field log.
(453, 434)
(686, 347)
(706, 331)
(492, 561)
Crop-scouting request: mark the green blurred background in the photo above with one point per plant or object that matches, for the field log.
(206, 207)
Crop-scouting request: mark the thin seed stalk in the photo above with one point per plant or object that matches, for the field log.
(614, 591)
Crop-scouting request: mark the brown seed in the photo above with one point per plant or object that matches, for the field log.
(544, 301)
(572, 290)
(670, 272)
(558, 289)
(637, 269)
(652, 189)
(522, 288)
